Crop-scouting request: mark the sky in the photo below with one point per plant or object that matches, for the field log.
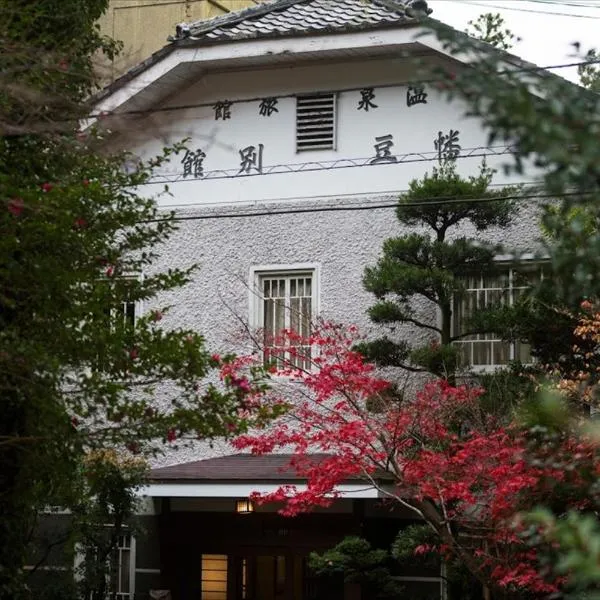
(547, 28)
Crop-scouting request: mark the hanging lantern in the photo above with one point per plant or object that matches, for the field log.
(244, 507)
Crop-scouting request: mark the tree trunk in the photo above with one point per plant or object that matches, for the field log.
(446, 337)
(491, 591)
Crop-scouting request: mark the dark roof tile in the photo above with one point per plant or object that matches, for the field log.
(281, 17)
(243, 467)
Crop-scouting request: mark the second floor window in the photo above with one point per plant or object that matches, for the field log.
(486, 291)
(286, 300)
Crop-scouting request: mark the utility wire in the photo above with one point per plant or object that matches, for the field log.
(139, 112)
(530, 10)
(440, 201)
(593, 4)
(542, 2)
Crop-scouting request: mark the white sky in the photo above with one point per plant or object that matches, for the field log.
(547, 28)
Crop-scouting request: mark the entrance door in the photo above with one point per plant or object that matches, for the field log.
(264, 577)
(277, 576)
(252, 577)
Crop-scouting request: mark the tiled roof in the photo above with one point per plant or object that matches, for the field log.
(290, 17)
(274, 18)
(271, 467)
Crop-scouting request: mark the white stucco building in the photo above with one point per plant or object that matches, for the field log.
(306, 119)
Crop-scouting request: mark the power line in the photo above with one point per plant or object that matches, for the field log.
(348, 199)
(442, 201)
(531, 10)
(140, 112)
(593, 4)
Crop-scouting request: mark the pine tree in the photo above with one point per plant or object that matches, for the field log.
(589, 72)
(421, 274)
(489, 28)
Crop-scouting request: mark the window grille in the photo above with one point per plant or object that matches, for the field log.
(486, 291)
(287, 302)
(315, 122)
(128, 309)
(123, 569)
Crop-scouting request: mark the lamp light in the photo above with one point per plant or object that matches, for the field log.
(244, 507)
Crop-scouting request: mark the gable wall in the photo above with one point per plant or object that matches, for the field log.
(222, 232)
(290, 174)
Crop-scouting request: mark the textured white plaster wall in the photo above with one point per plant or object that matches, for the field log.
(414, 130)
(342, 243)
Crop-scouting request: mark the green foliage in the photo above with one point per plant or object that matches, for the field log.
(544, 117)
(48, 65)
(489, 28)
(589, 72)
(440, 360)
(427, 270)
(470, 200)
(573, 237)
(104, 510)
(506, 390)
(540, 317)
(555, 126)
(385, 352)
(416, 547)
(358, 562)
(570, 547)
(75, 239)
(410, 538)
(546, 413)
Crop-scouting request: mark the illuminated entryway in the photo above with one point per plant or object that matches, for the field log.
(260, 577)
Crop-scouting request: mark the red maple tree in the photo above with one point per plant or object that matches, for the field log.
(437, 452)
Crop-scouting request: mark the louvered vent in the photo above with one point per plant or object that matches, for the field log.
(315, 122)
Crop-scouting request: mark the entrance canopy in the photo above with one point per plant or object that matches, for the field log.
(238, 475)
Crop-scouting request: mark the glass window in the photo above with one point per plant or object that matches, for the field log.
(485, 291)
(287, 302)
(122, 566)
(214, 577)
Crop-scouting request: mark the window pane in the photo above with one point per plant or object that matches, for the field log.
(214, 577)
(287, 303)
(124, 571)
(279, 316)
(295, 314)
(523, 352)
(501, 353)
(129, 309)
(480, 353)
(489, 290)
(120, 564)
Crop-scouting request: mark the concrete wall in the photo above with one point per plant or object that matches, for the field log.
(143, 26)
(342, 243)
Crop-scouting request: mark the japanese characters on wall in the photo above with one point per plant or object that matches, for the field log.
(444, 143)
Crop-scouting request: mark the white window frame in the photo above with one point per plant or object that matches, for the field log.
(511, 267)
(79, 559)
(258, 273)
(138, 305)
(130, 593)
(138, 309)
